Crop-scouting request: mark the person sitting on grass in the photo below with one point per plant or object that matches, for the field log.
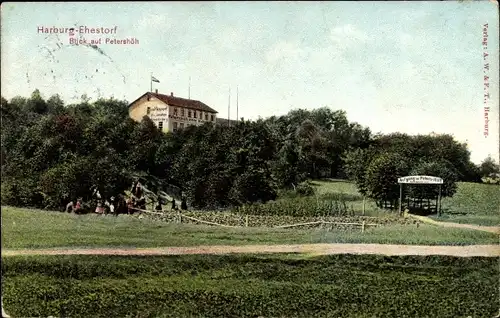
(106, 207)
(69, 206)
(99, 209)
(78, 206)
(120, 205)
(112, 205)
(141, 203)
(130, 205)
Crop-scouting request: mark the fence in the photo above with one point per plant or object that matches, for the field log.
(179, 216)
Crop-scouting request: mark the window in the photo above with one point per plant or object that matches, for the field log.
(194, 113)
(206, 116)
(189, 113)
(182, 125)
(175, 111)
(160, 125)
(212, 118)
(182, 112)
(175, 126)
(148, 111)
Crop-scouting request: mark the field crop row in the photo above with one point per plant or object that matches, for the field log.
(324, 205)
(233, 219)
(250, 286)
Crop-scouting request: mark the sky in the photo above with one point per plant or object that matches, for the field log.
(412, 67)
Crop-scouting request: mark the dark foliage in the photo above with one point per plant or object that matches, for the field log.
(52, 153)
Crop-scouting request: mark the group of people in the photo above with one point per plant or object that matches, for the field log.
(75, 208)
(115, 206)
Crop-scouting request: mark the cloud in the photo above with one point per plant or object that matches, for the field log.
(153, 21)
(284, 50)
(347, 35)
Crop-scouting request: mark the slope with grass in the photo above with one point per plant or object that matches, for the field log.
(348, 189)
(24, 228)
(473, 203)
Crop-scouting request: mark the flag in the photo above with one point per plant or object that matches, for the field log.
(154, 79)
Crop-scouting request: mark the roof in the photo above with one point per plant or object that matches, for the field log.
(224, 121)
(180, 102)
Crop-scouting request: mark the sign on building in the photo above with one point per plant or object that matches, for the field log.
(420, 180)
(159, 114)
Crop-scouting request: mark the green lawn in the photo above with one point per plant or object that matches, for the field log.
(345, 187)
(250, 286)
(335, 186)
(473, 203)
(244, 285)
(24, 228)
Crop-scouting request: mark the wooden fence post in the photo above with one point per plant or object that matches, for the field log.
(363, 205)
(363, 227)
(246, 220)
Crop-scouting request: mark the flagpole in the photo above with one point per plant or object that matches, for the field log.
(229, 107)
(189, 88)
(151, 82)
(237, 118)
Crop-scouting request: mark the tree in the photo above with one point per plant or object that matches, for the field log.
(313, 144)
(488, 167)
(356, 162)
(382, 177)
(287, 168)
(441, 169)
(36, 103)
(55, 105)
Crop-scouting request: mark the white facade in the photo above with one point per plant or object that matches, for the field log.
(170, 116)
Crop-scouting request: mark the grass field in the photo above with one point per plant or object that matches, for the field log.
(250, 286)
(473, 203)
(23, 228)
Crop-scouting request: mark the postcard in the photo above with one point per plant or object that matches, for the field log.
(250, 159)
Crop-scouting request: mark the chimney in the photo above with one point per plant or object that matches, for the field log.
(171, 94)
(156, 91)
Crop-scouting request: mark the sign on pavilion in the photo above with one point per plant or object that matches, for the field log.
(420, 180)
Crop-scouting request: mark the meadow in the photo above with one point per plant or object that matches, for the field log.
(29, 228)
(25, 228)
(250, 286)
(285, 285)
(474, 204)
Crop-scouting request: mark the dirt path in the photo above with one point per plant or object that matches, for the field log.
(491, 229)
(311, 249)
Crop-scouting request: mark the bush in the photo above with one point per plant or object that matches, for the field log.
(382, 177)
(441, 169)
(305, 189)
(493, 179)
(21, 192)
